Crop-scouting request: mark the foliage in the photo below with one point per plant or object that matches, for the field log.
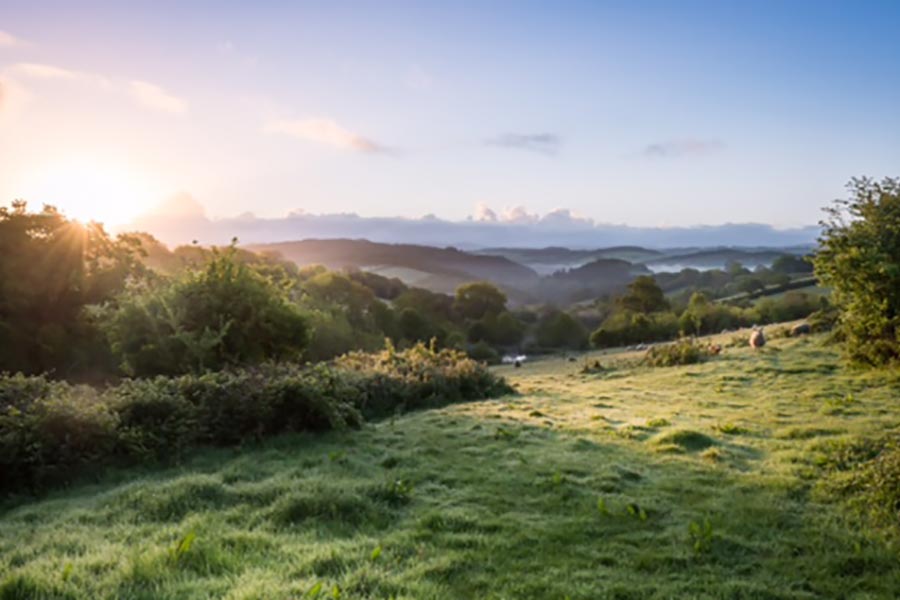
(51, 268)
(628, 327)
(51, 430)
(561, 330)
(479, 299)
(419, 377)
(683, 352)
(644, 296)
(223, 314)
(483, 352)
(859, 258)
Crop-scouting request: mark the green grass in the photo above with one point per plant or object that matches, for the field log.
(696, 481)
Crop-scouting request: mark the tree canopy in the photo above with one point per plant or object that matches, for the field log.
(859, 258)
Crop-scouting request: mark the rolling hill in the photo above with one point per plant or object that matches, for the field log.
(439, 269)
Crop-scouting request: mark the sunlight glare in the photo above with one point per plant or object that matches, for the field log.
(91, 190)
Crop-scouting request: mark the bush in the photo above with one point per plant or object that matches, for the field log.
(483, 352)
(45, 440)
(49, 431)
(419, 377)
(224, 314)
(682, 352)
(859, 258)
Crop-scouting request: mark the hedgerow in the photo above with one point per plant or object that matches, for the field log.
(52, 431)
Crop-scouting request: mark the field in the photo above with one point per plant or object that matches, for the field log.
(696, 481)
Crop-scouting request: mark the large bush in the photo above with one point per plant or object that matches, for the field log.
(859, 258)
(49, 431)
(223, 314)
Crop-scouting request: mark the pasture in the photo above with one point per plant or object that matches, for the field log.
(707, 480)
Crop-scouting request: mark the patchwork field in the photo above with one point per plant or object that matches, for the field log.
(630, 482)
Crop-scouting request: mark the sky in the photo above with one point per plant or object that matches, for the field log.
(650, 114)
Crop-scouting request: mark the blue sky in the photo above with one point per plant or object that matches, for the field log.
(646, 113)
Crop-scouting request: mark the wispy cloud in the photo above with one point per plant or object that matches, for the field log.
(43, 71)
(7, 40)
(684, 147)
(542, 143)
(144, 94)
(325, 131)
(154, 97)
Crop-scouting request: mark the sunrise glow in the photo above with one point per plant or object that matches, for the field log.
(90, 189)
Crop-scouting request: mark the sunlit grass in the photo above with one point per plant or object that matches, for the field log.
(627, 483)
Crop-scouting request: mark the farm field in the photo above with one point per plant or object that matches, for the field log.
(632, 482)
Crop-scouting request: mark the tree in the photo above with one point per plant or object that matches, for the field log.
(695, 315)
(859, 258)
(51, 269)
(476, 300)
(644, 296)
(788, 263)
(225, 313)
(561, 330)
(748, 284)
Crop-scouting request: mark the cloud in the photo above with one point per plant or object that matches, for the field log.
(154, 97)
(145, 94)
(685, 147)
(542, 143)
(183, 220)
(484, 213)
(179, 206)
(42, 71)
(518, 215)
(325, 131)
(563, 217)
(8, 40)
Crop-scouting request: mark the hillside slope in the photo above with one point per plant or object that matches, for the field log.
(440, 269)
(698, 481)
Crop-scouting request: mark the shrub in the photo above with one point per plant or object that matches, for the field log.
(49, 431)
(859, 258)
(682, 352)
(483, 352)
(45, 440)
(419, 377)
(224, 314)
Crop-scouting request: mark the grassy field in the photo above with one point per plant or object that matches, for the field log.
(697, 481)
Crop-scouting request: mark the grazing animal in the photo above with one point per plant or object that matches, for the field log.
(800, 329)
(757, 339)
(715, 349)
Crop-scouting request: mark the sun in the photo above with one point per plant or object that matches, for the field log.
(91, 190)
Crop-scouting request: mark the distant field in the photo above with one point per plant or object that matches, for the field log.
(697, 481)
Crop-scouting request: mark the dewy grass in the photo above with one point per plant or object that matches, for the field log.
(534, 496)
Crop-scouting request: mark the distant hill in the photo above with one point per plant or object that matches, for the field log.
(554, 258)
(715, 258)
(596, 278)
(438, 269)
